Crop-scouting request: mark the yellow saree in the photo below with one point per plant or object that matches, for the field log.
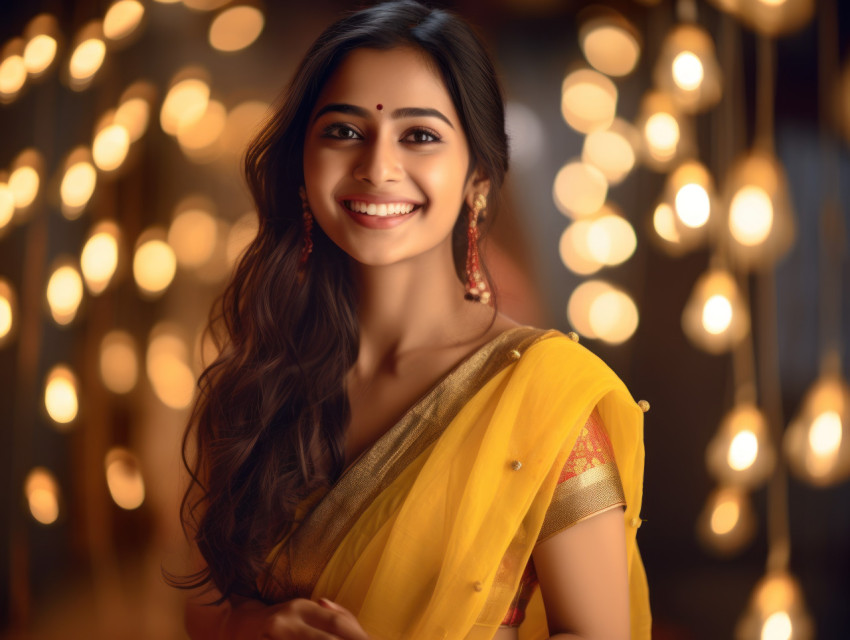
(427, 533)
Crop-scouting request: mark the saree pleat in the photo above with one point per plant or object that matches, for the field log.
(427, 534)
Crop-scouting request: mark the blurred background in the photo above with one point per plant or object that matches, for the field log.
(675, 197)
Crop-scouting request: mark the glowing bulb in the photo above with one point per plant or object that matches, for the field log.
(751, 216)
(99, 260)
(613, 316)
(13, 75)
(236, 28)
(662, 133)
(24, 183)
(663, 223)
(611, 239)
(575, 251)
(60, 395)
(743, 451)
(39, 53)
(688, 71)
(725, 516)
(610, 48)
(154, 266)
(124, 479)
(122, 18)
(42, 492)
(825, 433)
(119, 367)
(588, 100)
(64, 294)
(717, 314)
(693, 205)
(7, 204)
(580, 189)
(110, 147)
(777, 627)
(611, 151)
(185, 104)
(87, 59)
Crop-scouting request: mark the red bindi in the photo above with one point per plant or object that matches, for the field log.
(380, 106)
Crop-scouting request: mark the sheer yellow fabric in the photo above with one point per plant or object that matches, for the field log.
(437, 548)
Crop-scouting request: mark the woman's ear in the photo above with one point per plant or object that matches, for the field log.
(477, 183)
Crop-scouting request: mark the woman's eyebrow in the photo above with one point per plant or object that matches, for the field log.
(404, 112)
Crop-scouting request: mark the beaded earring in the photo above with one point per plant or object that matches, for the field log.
(476, 287)
(307, 217)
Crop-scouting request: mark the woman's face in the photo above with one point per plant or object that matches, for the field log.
(386, 159)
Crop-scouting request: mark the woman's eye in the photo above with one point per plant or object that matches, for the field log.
(421, 136)
(341, 132)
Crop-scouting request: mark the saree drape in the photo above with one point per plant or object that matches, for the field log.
(427, 533)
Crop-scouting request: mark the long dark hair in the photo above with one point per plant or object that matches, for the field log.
(269, 423)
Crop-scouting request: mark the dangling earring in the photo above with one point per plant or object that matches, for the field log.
(476, 286)
(307, 217)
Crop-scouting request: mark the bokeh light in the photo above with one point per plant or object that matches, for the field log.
(574, 249)
(687, 68)
(588, 100)
(727, 522)
(13, 76)
(579, 189)
(690, 188)
(168, 367)
(99, 258)
(236, 28)
(154, 263)
(8, 312)
(39, 54)
(596, 309)
(186, 101)
(610, 43)
(61, 396)
(124, 478)
(776, 611)
(134, 108)
(665, 135)
(612, 150)
(750, 215)
(110, 147)
(64, 292)
(42, 493)
(200, 139)
(24, 183)
(122, 19)
(741, 452)
(87, 56)
(7, 205)
(78, 183)
(715, 317)
(193, 233)
(119, 364)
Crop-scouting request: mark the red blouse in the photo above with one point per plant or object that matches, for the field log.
(591, 450)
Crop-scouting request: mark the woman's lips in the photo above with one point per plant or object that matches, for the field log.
(379, 215)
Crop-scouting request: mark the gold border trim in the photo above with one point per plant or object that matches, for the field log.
(577, 498)
(324, 528)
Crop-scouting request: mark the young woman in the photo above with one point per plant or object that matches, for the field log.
(378, 454)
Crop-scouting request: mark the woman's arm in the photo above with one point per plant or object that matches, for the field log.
(246, 619)
(584, 581)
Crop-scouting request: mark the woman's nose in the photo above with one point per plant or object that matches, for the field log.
(380, 162)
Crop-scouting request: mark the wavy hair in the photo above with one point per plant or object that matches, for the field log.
(268, 425)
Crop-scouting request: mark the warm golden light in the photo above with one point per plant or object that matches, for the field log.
(613, 316)
(203, 5)
(777, 611)
(110, 147)
(13, 75)
(743, 450)
(199, 139)
(588, 100)
(60, 395)
(664, 224)
(612, 150)
(133, 115)
(124, 478)
(64, 293)
(236, 28)
(574, 249)
(611, 239)
(777, 627)
(185, 104)
(77, 188)
(168, 368)
(119, 366)
(688, 71)
(662, 133)
(7, 205)
(693, 205)
(122, 19)
(610, 45)
(193, 235)
(727, 523)
(825, 433)
(154, 264)
(690, 188)
(580, 302)
(24, 183)
(242, 122)
(776, 17)
(740, 453)
(39, 53)
(87, 59)
(579, 190)
(42, 492)
(666, 135)
(7, 311)
(717, 314)
(750, 216)
(715, 317)
(99, 258)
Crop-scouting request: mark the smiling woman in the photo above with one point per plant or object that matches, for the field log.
(377, 454)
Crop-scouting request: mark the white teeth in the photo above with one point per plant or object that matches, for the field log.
(382, 210)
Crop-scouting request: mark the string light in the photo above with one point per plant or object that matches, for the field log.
(715, 317)
(13, 70)
(154, 263)
(610, 43)
(236, 28)
(612, 150)
(122, 19)
(60, 396)
(596, 309)
(776, 611)
(111, 145)
(119, 366)
(740, 453)
(64, 292)
(186, 100)
(87, 56)
(78, 183)
(168, 367)
(124, 478)
(42, 493)
(579, 189)
(25, 180)
(42, 43)
(588, 100)
(775, 17)
(727, 523)
(690, 188)
(665, 134)
(687, 69)
(99, 258)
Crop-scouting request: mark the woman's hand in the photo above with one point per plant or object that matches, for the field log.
(300, 619)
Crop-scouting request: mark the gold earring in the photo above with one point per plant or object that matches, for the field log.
(476, 287)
